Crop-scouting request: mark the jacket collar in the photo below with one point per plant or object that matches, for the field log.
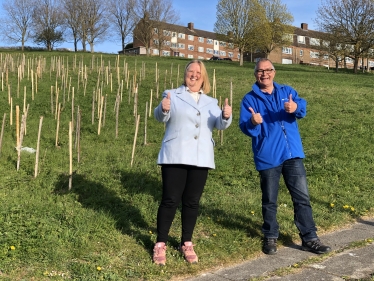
(183, 94)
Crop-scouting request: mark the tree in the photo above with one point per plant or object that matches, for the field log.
(48, 23)
(240, 23)
(122, 18)
(278, 24)
(352, 21)
(96, 22)
(18, 20)
(72, 11)
(152, 17)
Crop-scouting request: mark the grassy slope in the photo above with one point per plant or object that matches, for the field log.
(108, 218)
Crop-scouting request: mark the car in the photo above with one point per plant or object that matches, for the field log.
(215, 58)
(227, 59)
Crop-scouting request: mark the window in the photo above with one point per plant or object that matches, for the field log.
(231, 54)
(167, 33)
(200, 58)
(325, 57)
(314, 42)
(314, 55)
(166, 53)
(190, 47)
(301, 53)
(173, 34)
(181, 55)
(190, 56)
(222, 44)
(200, 49)
(348, 60)
(231, 45)
(286, 50)
(222, 53)
(155, 51)
(155, 42)
(209, 41)
(181, 46)
(190, 37)
(288, 37)
(181, 35)
(174, 45)
(216, 52)
(201, 39)
(155, 30)
(301, 39)
(209, 51)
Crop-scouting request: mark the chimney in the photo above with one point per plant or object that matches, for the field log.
(304, 26)
(190, 25)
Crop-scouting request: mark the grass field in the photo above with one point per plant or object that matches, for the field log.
(103, 228)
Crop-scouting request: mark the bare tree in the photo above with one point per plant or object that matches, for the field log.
(17, 20)
(152, 17)
(240, 22)
(48, 23)
(94, 23)
(278, 24)
(72, 14)
(352, 21)
(122, 18)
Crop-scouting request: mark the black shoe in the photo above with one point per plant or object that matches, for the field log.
(270, 246)
(315, 246)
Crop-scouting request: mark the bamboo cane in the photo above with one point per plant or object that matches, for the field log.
(38, 147)
(135, 136)
(2, 132)
(70, 156)
(58, 124)
(100, 115)
(145, 123)
(17, 125)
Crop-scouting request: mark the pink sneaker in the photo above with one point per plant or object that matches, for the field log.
(159, 253)
(188, 252)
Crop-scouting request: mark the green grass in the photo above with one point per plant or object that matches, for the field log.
(108, 218)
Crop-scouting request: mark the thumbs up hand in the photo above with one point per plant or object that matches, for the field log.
(256, 117)
(166, 103)
(290, 106)
(227, 110)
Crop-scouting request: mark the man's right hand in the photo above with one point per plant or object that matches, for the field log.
(256, 117)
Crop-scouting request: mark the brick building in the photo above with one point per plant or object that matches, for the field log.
(187, 42)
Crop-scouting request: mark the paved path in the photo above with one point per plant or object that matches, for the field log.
(344, 263)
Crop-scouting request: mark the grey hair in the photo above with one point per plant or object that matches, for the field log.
(262, 60)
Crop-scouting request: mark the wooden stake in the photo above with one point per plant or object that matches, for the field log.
(135, 136)
(70, 156)
(38, 147)
(2, 132)
(145, 123)
(58, 123)
(100, 115)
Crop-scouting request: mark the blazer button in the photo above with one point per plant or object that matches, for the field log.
(198, 114)
(197, 125)
(195, 137)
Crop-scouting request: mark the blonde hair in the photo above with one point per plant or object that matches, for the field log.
(204, 75)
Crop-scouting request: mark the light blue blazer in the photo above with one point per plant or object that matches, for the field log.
(189, 126)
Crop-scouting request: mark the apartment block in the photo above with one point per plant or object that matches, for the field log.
(187, 42)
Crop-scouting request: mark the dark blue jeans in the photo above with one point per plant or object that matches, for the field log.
(294, 176)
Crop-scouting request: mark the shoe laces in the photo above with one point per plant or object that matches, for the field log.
(315, 244)
(271, 241)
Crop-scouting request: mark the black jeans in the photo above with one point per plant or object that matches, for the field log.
(180, 183)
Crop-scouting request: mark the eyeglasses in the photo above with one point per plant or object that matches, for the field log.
(264, 71)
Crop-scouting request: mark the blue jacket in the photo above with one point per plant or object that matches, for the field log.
(277, 139)
(189, 126)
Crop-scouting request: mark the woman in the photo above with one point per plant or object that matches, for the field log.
(186, 155)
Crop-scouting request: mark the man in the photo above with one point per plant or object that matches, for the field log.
(268, 115)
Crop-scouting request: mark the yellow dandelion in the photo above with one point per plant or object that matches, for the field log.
(369, 240)
(214, 234)
(252, 212)
(332, 205)
(345, 206)
(150, 232)
(295, 265)
(352, 209)
(12, 248)
(98, 268)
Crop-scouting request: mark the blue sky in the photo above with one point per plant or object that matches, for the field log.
(203, 14)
